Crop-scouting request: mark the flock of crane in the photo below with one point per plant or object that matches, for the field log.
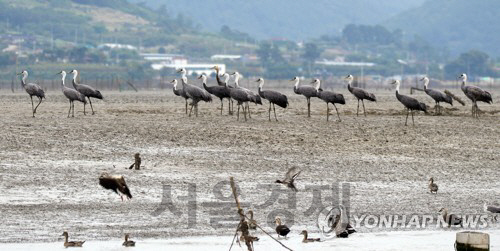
(244, 96)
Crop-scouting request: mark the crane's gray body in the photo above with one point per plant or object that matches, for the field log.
(33, 90)
(475, 94)
(360, 94)
(71, 94)
(87, 91)
(273, 97)
(333, 98)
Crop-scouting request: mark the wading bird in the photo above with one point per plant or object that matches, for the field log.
(116, 183)
(329, 97)
(180, 93)
(33, 90)
(86, 90)
(359, 93)
(254, 98)
(195, 93)
(290, 177)
(307, 91)
(475, 94)
(225, 82)
(273, 97)
(436, 95)
(219, 91)
(71, 243)
(433, 187)
(281, 230)
(410, 103)
(241, 96)
(71, 94)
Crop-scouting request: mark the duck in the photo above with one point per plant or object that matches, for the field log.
(127, 242)
(281, 230)
(290, 177)
(306, 240)
(433, 187)
(71, 243)
(450, 219)
(252, 224)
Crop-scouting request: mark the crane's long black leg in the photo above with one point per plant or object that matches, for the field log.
(408, 113)
(337, 112)
(245, 113)
(364, 111)
(269, 111)
(238, 114)
(327, 111)
(309, 107)
(221, 106)
(357, 110)
(32, 107)
(248, 109)
(91, 106)
(412, 118)
(69, 111)
(186, 106)
(84, 105)
(190, 110)
(73, 105)
(274, 108)
(39, 102)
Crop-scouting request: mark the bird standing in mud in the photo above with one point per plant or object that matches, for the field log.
(281, 230)
(359, 93)
(290, 177)
(33, 90)
(433, 187)
(115, 183)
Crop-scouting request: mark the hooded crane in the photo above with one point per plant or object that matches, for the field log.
(221, 82)
(71, 94)
(180, 93)
(475, 94)
(308, 92)
(241, 96)
(195, 93)
(359, 93)
(86, 90)
(273, 97)
(219, 91)
(436, 95)
(290, 177)
(116, 183)
(33, 90)
(410, 103)
(71, 243)
(254, 98)
(329, 97)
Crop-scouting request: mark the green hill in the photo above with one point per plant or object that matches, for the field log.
(458, 25)
(297, 20)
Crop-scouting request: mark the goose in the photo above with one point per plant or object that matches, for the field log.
(450, 219)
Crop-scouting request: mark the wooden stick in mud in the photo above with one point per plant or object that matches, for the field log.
(131, 85)
(459, 100)
(243, 216)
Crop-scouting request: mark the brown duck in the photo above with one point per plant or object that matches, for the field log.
(306, 240)
(127, 242)
(71, 243)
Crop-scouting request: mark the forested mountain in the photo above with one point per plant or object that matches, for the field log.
(296, 20)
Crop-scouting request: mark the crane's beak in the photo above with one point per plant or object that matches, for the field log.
(172, 81)
(179, 70)
(200, 76)
(20, 73)
(422, 79)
